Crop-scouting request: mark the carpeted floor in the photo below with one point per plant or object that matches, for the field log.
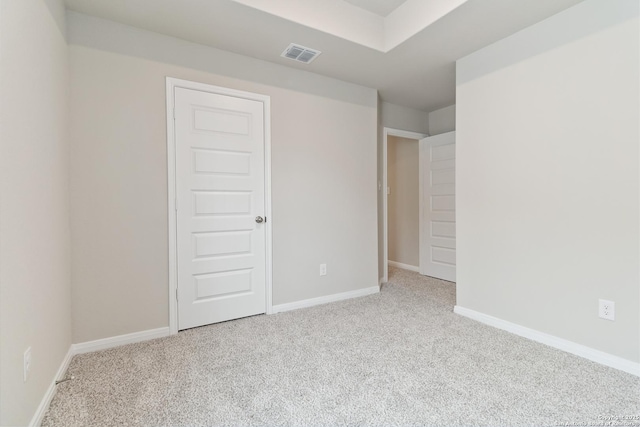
(399, 358)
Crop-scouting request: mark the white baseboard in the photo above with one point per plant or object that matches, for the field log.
(51, 391)
(87, 347)
(553, 341)
(326, 299)
(105, 343)
(404, 266)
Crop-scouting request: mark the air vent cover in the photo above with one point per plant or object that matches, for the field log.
(300, 53)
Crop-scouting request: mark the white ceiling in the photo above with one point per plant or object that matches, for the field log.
(415, 69)
(379, 7)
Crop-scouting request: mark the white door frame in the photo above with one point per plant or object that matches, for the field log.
(173, 83)
(386, 132)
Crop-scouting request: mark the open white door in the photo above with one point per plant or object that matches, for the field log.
(438, 175)
(220, 203)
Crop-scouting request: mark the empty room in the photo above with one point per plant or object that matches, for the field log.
(319, 212)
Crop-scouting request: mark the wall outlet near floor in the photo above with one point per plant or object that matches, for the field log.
(26, 364)
(323, 269)
(607, 309)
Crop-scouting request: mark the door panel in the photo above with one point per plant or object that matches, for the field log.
(220, 191)
(438, 240)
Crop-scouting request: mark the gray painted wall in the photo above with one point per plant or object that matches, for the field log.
(547, 177)
(442, 120)
(323, 174)
(404, 118)
(35, 293)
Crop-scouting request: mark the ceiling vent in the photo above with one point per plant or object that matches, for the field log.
(300, 53)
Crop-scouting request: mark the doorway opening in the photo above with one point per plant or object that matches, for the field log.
(435, 229)
(406, 250)
(403, 194)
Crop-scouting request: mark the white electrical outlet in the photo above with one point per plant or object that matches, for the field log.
(26, 364)
(323, 269)
(607, 309)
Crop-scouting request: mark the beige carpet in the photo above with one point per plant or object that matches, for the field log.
(399, 358)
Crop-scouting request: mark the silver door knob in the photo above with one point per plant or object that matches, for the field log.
(259, 219)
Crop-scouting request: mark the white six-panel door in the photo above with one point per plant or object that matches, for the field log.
(438, 240)
(220, 199)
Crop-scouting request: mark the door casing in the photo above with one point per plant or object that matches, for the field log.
(171, 84)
